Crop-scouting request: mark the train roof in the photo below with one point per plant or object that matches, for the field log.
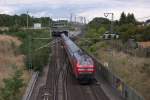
(71, 45)
(83, 59)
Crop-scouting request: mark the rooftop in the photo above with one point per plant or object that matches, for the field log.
(144, 44)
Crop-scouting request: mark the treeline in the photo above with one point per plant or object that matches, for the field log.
(127, 19)
(21, 20)
(127, 26)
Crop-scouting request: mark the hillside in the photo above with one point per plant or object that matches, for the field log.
(11, 59)
(134, 71)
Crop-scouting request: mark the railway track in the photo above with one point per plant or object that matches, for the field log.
(55, 87)
(61, 84)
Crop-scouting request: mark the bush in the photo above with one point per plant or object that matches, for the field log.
(11, 90)
(92, 49)
(39, 58)
(13, 29)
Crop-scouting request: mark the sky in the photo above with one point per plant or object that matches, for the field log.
(86, 8)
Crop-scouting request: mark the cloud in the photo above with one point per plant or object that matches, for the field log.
(140, 9)
(63, 8)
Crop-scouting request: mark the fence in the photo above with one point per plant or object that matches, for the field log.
(116, 83)
(119, 46)
(30, 86)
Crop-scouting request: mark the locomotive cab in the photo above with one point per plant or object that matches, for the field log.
(82, 65)
(85, 68)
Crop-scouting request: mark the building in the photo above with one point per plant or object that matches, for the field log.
(147, 22)
(108, 35)
(145, 47)
(37, 26)
(144, 44)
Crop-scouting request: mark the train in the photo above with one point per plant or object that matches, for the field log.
(82, 65)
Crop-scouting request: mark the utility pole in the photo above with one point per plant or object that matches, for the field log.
(84, 20)
(112, 20)
(80, 19)
(27, 20)
(50, 22)
(75, 19)
(50, 26)
(71, 15)
(29, 51)
(29, 44)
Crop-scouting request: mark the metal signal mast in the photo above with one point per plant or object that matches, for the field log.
(112, 19)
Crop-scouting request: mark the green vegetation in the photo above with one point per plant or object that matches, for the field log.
(40, 57)
(125, 66)
(20, 21)
(127, 19)
(127, 26)
(14, 84)
(97, 27)
(11, 90)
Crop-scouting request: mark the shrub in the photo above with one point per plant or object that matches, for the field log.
(12, 87)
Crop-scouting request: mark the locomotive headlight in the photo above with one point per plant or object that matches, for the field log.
(85, 69)
(81, 69)
(90, 69)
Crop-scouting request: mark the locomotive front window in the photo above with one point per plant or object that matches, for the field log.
(86, 61)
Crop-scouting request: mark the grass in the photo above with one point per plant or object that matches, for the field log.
(9, 58)
(129, 69)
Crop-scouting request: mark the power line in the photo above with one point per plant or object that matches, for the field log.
(144, 17)
(47, 45)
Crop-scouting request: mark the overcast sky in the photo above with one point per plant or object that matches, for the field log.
(86, 8)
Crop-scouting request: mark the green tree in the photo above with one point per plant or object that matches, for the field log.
(12, 87)
(131, 18)
(146, 34)
(123, 18)
(91, 33)
(101, 30)
(21, 21)
(127, 31)
(98, 22)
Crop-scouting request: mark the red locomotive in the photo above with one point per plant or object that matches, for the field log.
(82, 65)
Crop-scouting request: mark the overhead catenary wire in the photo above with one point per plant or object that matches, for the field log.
(47, 45)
